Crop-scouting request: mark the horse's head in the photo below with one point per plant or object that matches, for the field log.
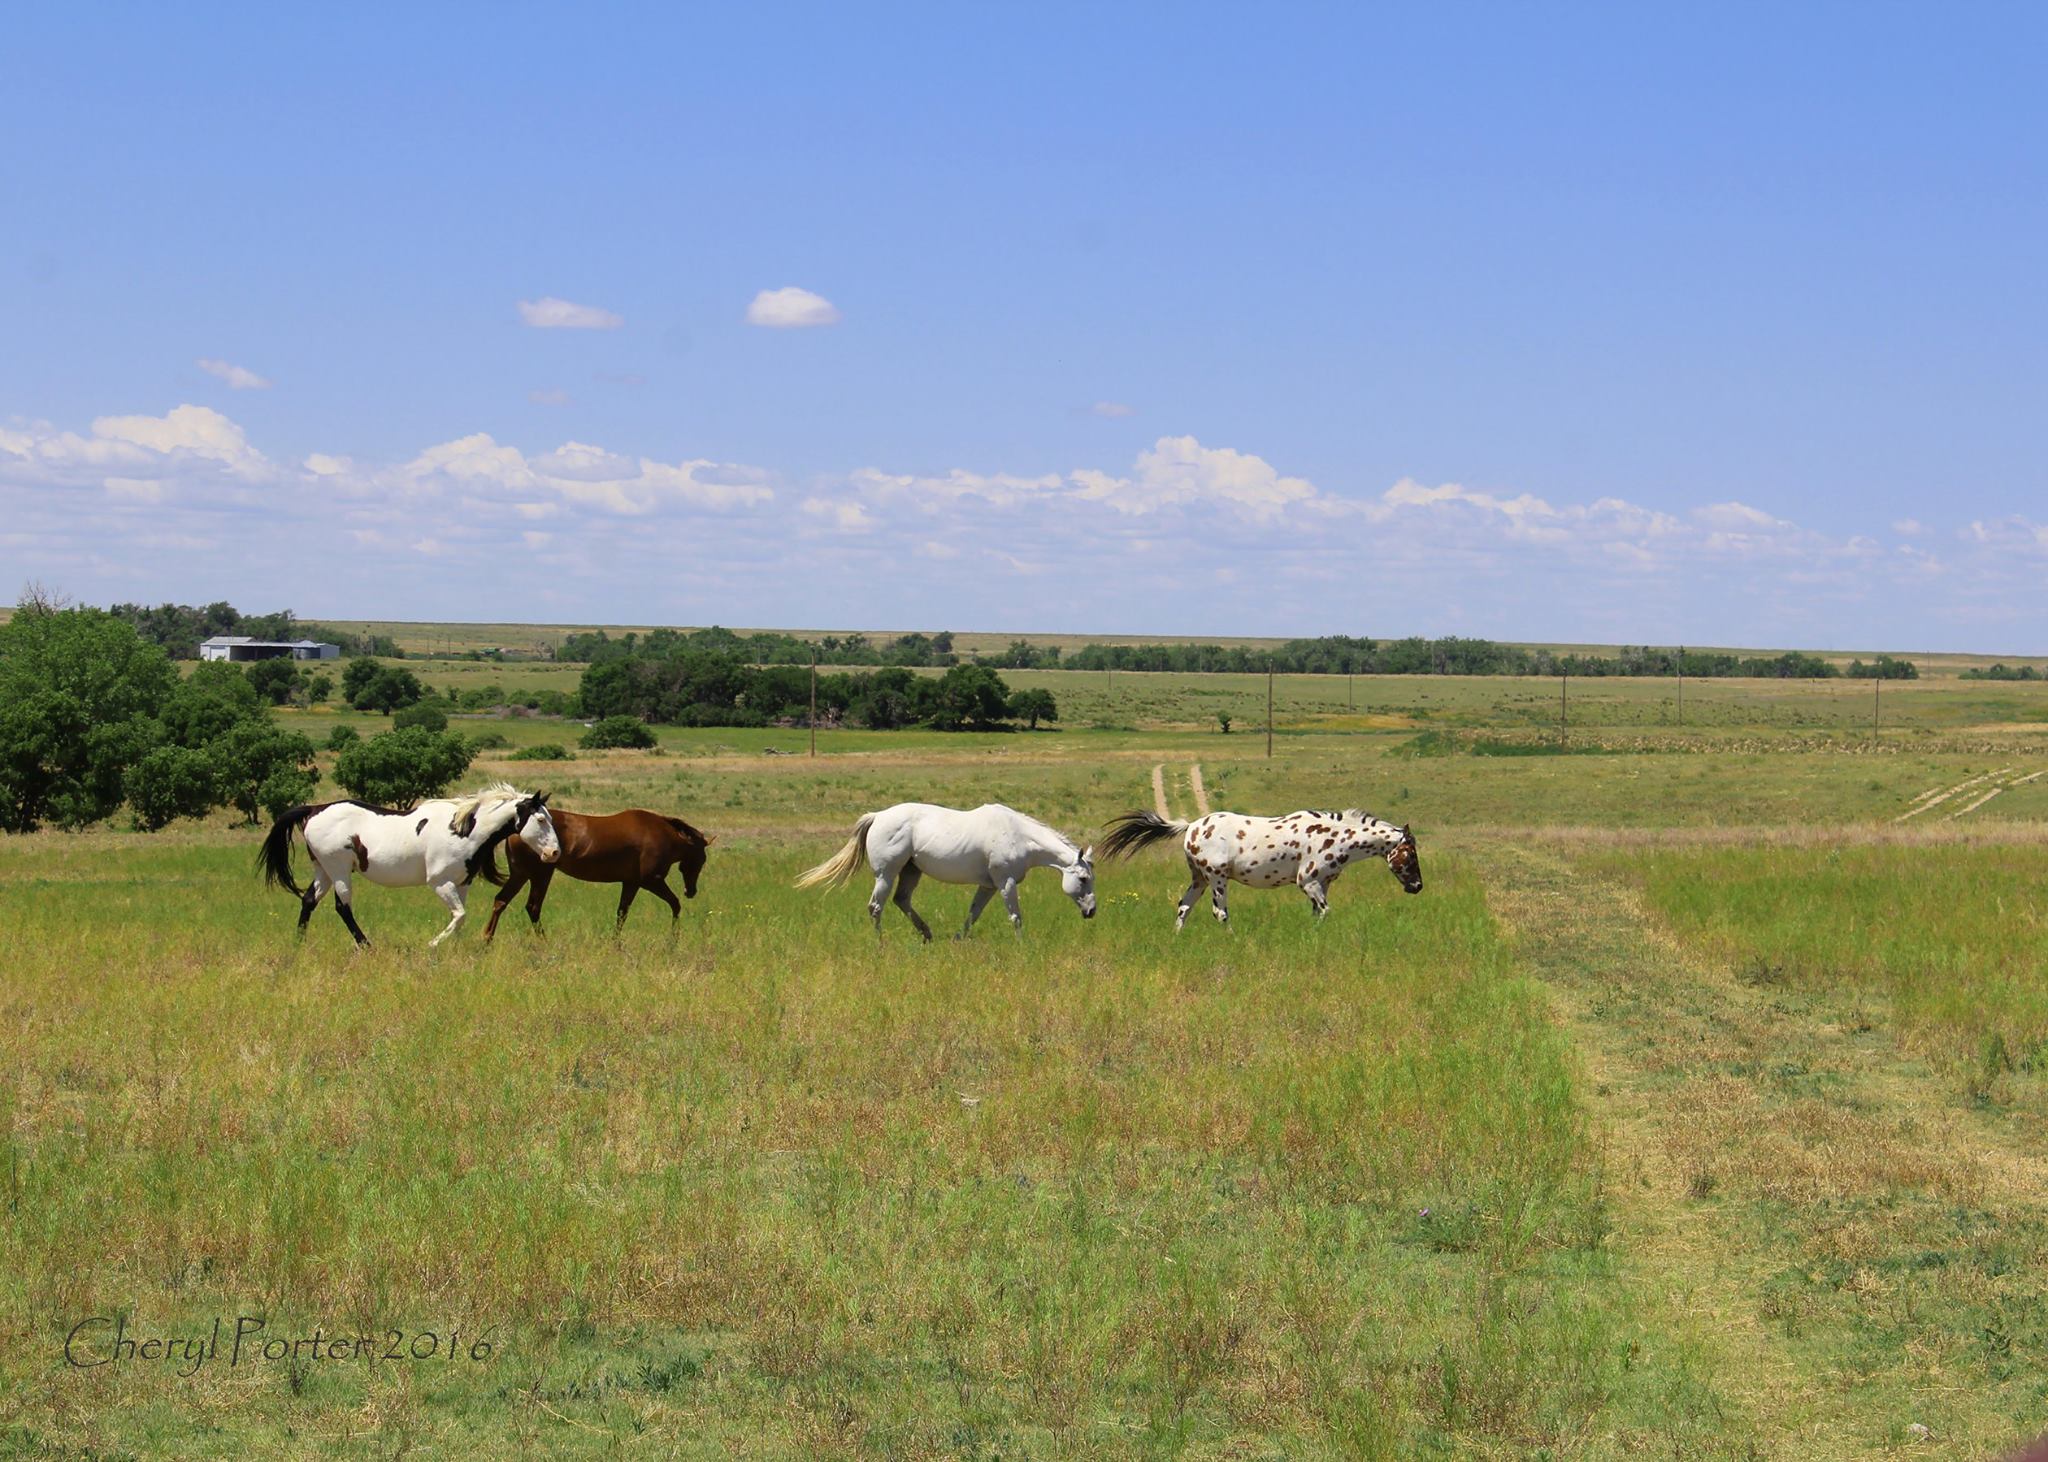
(692, 861)
(535, 828)
(1405, 859)
(1078, 880)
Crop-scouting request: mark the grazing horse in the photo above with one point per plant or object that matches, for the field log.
(1305, 848)
(634, 848)
(441, 843)
(992, 847)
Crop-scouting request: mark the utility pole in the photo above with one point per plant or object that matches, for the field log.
(1876, 699)
(1350, 692)
(1681, 685)
(1561, 718)
(1269, 712)
(814, 700)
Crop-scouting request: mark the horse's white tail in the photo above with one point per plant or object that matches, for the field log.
(836, 869)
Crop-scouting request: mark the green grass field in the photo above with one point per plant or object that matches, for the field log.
(1695, 1108)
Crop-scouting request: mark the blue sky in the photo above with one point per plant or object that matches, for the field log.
(1563, 323)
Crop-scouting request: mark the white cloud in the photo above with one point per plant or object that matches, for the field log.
(1180, 471)
(549, 313)
(551, 397)
(1114, 410)
(237, 378)
(791, 308)
(847, 517)
(1908, 527)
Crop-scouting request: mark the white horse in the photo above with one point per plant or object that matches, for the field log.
(442, 843)
(992, 847)
(1305, 848)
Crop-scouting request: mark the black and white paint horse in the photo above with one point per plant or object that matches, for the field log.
(442, 844)
(1308, 849)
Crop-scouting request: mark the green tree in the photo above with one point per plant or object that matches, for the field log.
(399, 768)
(319, 688)
(278, 680)
(202, 706)
(79, 695)
(618, 731)
(390, 688)
(1032, 706)
(968, 695)
(341, 738)
(258, 766)
(169, 783)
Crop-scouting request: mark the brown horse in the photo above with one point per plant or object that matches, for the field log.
(634, 848)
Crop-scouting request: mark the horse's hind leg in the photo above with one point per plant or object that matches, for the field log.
(310, 899)
(626, 892)
(1219, 897)
(906, 885)
(885, 879)
(451, 895)
(344, 905)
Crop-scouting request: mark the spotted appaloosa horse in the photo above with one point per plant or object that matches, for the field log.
(1308, 849)
(634, 848)
(440, 843)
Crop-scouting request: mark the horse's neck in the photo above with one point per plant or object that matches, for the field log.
(1375, 837)
(1047, 848)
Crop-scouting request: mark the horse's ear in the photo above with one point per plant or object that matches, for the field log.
(710, 838)
(540, 799)
(1088, 854)
(1406, 836)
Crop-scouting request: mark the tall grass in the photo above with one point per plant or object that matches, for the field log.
(1094, 1189)
(1950, 934)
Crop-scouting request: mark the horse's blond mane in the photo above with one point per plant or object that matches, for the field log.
(494, 795)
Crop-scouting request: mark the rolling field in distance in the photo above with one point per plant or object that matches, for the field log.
(1694, 1109)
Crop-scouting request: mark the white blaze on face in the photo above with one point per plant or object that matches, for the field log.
(538, 833)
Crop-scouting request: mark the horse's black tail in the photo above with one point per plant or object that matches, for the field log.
(488, 870)
(275, 856)
(1135, 830)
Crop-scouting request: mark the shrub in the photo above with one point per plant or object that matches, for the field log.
(488, 740)
(546, 751)
(341, 738)
(618, 731)
(402, 767)
(423, 714)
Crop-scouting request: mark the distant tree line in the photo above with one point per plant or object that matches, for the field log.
(771, 648)
(1451, 655)
(177, 629)
(2002, 672)
(675, 678)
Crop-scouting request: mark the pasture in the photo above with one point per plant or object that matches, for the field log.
(1695, 1108)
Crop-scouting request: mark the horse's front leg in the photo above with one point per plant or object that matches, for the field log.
(1219, 898)
(1187, 900)
(1318, 895)
(1009, 893)
(981, 897)
(514, 881)
(626, 892)
(454, 896)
